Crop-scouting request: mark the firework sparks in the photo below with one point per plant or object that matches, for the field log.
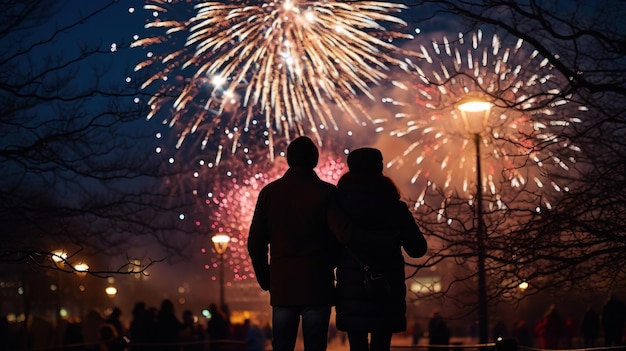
(522, 130)
(284, 65)
(231, 204)
(225, 194)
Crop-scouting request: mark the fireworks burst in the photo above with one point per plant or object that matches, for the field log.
(232, 206)
(523, 139)
(285, 65)
(226, 193)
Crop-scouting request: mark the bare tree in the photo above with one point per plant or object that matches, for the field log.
(77, 165)
(568, 235)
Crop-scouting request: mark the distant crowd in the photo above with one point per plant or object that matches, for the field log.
(149, 329)
(604, 328)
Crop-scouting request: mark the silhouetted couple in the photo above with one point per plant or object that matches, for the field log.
(303, 228)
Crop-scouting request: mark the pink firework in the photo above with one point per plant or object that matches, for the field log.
(225, 192)
(231, 203)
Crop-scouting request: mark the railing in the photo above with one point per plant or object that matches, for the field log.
(503, 345)
(240, 345)
(203, 345)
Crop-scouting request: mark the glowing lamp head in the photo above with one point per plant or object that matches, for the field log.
(474, 106)
(523, 286)
(220, 241)
(475, 112)
(59, 256)
(81, 269)
(111, 291)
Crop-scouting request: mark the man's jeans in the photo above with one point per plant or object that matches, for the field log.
(286, 320)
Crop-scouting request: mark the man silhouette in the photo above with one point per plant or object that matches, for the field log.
(292, 250)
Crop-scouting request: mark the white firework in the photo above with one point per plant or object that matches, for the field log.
(523, 140)
(288, 66)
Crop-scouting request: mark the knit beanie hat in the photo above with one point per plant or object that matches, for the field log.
(302, 152)
(365, 161)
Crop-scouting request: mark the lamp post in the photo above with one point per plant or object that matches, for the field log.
(475, 113)
(220, 242)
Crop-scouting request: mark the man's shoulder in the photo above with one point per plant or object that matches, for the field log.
(311, 183)
(303, 176)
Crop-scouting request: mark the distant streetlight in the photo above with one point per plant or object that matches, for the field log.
(475, 112)
(111, 291)
(81, 269)
(220, 242)
(59, 256)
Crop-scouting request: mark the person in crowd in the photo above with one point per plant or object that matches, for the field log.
(141, 330)
(115, 319)
(438, 332)
(289, 225)
(91, 323)
(416, 333)
(74, 335)
(40, 332)
(522, 333)
(192, 335)
(253, 335)
(168, 327)
(569, 332)
(550, 329)
(373, 224)
(590, 327)
(110, 340)
(613, 317)
(218, 327)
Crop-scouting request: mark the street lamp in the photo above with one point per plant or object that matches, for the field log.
(220, 241)
(475, 113)
(59, 257)
(111, 291)
(81, 269)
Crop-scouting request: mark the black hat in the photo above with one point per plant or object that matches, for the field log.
(365, 160)
(302, 152)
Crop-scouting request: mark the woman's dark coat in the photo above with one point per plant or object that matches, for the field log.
(370, 219)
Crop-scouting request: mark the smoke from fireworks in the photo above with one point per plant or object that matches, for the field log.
(523, 136)
(285, 65)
